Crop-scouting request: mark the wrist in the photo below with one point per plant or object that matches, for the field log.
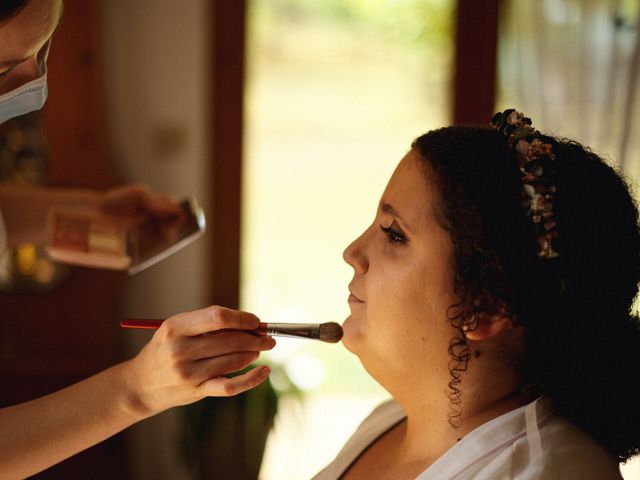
(134, 401)
(79, 197)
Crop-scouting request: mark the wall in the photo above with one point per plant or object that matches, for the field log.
(154, 64)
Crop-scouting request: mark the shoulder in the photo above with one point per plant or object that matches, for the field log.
(381, 419)
(384, 414)
(568, 452)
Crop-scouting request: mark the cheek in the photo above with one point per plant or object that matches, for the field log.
(406, 309)
(370, 322)
(404, 306)
(414, 315)
(414, 295)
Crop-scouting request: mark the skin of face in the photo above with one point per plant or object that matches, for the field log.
(403, 285)
(22, 38)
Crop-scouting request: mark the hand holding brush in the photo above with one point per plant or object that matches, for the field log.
(329, 332)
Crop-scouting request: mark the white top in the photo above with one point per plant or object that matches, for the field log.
(525, 444)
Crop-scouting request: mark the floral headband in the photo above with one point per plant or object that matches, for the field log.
(536, 163)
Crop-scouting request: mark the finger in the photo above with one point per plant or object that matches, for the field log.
(227, 387)
(210, 319)
(169, 228)
(139, 198)
(125, 200)
(224, 343)
(203, 370)
(159, 206)
(195, 373)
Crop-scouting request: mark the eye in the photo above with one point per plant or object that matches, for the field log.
(393, 235)
(7, 72)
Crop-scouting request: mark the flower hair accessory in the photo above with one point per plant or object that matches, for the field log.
(536, 163)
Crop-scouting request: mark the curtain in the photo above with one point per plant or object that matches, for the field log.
(573, 66)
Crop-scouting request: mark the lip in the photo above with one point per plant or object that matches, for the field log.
(353, 298)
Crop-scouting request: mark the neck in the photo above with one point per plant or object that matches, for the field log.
(428, 433)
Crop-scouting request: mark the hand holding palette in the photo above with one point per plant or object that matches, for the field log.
(91, 239)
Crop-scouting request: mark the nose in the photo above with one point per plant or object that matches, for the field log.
(30, 70)
(355, 255)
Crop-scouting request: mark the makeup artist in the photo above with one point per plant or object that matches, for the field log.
(178, 365)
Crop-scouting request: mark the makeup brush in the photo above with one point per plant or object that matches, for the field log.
(329, 332)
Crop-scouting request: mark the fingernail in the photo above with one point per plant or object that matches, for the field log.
(264, 371)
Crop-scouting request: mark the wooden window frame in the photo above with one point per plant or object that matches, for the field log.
(476, 37)
(226, 114)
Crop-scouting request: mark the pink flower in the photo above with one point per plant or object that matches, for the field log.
(539, 202)
(539, 149)
(522, 147)
(546, 250)
(515, 118)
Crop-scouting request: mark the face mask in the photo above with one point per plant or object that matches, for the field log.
(28, 97)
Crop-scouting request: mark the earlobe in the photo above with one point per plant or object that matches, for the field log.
(487, 326)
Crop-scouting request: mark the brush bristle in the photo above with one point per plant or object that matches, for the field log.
(330, 332)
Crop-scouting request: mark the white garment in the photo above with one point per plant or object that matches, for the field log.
(525, 444)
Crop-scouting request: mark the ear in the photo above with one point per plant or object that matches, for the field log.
(488, 326)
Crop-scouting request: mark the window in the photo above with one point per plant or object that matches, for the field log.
(336, 92)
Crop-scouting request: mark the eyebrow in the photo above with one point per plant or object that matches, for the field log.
(388, 209)
(13, 63)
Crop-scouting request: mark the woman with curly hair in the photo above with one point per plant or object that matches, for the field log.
(492, 298)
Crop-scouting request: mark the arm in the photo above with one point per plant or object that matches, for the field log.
(178, 366)
(25, 209)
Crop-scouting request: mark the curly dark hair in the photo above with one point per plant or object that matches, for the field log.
(581, 344)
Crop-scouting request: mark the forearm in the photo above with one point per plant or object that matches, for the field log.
(178, 366)
(40, 433)
(25, 209)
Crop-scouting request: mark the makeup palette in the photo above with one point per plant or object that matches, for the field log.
(87, 239)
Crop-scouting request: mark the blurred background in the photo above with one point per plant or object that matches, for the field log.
(285, 118)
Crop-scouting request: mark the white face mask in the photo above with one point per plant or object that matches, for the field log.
(28, 97)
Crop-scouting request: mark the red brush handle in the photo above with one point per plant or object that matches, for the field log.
(145, 323)
(151, 324)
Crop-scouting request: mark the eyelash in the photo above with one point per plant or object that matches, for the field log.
(393, 236)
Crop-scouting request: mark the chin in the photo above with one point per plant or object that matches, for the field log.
(353, 334)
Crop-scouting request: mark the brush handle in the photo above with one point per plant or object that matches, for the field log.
(143, 323)
(153, 324)
(296, 330)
